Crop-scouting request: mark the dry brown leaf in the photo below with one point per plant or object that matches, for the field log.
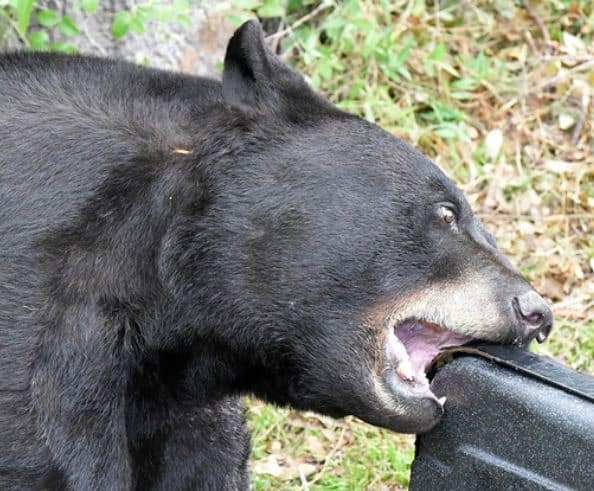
(284, 469)
(316, 447)
(551, 288)
(269, 465)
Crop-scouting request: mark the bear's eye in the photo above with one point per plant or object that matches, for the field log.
(448, 215)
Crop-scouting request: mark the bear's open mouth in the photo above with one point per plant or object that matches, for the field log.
(413, 344)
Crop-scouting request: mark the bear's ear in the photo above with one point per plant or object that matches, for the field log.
(253, 77)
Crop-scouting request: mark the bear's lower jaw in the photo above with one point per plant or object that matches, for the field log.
(412, 345)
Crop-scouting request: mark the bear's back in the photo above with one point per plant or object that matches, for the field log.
(66, 122)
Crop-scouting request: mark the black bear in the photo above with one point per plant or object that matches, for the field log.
(169, 243)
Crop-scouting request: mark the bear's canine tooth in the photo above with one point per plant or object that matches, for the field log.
(442, 401)
(398, 356)
(405, 371)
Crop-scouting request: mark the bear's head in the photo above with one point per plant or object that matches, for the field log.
(329, 262)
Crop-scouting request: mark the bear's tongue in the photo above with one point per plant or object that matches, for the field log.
(424, 341)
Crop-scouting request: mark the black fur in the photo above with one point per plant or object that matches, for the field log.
(169, 243)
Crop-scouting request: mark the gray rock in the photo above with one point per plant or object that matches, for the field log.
(196, 50)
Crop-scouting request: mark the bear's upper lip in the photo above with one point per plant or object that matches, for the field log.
(413, 344)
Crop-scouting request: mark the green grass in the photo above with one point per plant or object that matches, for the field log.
(292, 450)
(571, 343)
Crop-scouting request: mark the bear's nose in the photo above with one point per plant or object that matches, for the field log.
(534, 315)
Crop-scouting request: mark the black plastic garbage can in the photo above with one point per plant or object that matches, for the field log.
(513, 421)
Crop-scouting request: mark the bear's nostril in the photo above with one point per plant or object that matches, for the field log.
(534, 318)
(534, 315)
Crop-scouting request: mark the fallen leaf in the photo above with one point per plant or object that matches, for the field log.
(269, 465)
(560, 166)
(566, 121)
(284, 469)
(493, 143)
(572, 45)
(316, 448)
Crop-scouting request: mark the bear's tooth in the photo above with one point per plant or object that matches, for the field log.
(442, 401)
(405, 371)
(395, 350)
(398, 357)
